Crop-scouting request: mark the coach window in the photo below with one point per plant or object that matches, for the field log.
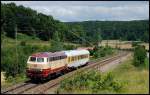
(47, 59)
(50, 59)
(71, 58)
(55, 58)
(80, 57)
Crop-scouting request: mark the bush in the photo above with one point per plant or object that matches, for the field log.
(102, 51)
(56, 46)
(92, 81)
(14, 64)
(139, 55)
(69, 47)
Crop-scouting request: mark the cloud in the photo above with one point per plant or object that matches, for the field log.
(90, 10)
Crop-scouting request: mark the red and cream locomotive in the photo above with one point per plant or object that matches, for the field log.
(44, 64)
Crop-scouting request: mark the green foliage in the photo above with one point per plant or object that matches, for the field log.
(147, 63)
(135, 43)
(92, 81)
(17, 79)
(27, 21)
(22, 43)
(102, 51)
(124, 30)
(69, 47)
(14, 62)
(135, 79)
(139, 55)
(56, 44)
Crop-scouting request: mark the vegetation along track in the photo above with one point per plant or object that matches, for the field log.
(31, 88)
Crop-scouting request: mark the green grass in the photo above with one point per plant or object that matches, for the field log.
(30, 40)
(136, 79)
(133, 80)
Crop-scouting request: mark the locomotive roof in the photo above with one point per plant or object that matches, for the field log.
(49, 54)
(76, 52)
(61, 53)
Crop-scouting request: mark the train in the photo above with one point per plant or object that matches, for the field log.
(44, 65)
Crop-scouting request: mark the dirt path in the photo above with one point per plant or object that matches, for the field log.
(2, 77)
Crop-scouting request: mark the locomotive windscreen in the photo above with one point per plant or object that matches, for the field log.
(33, 59)
(40, 59)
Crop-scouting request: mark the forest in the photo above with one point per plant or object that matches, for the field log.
(122, 30)
(25, 20)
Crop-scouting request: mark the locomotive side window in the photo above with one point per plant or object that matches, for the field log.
(56, 58)
(33, 59)
(40, 59)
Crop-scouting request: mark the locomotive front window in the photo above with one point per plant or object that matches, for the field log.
(40, 59)
(33, 59)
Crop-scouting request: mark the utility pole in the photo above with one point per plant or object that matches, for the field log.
(120, 49)
(16, 48)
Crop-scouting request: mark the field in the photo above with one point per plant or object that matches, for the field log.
(121, 44)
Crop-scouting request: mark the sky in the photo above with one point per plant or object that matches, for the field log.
(67, 11)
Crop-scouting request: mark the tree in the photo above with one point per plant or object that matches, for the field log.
(97, 38)
(56, 44)
(139, 55)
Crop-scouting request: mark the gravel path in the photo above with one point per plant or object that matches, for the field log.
(115, 63)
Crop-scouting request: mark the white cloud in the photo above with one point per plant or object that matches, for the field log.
(91, 10)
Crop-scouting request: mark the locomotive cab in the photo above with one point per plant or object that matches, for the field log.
(37, 62)
(37, 67)
(43, 65)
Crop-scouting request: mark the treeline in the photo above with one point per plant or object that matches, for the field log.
(25, 20)
(30, 22)
(123, 30)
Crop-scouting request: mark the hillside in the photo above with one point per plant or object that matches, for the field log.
(30, 22)
(124, 30)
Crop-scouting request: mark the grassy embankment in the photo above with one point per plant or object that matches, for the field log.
(125, 79)
(31, 45)
(9, 57)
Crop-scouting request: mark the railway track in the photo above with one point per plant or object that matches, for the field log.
(30, 88)
(19, 88)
